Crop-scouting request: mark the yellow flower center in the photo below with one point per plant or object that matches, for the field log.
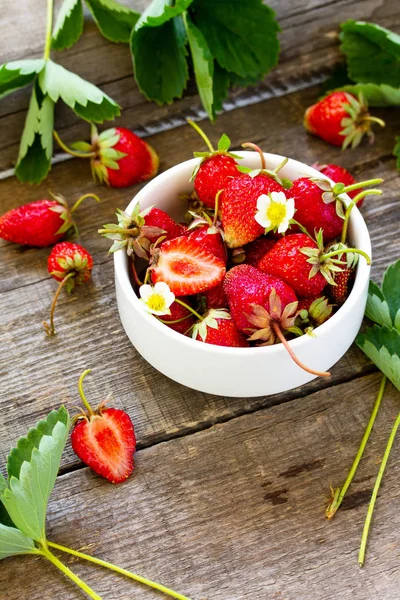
(156, 302)
(276, 212)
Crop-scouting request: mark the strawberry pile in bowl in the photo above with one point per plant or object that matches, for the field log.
(254, 283)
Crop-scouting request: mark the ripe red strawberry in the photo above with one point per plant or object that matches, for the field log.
(186, 267)
(265, 306)
(245, 285)
(312, 209)
(210, 238)
(218, 328)
(118, 157)
(214, 297)
(215, 167)
(179, 312)
(257, 249)
(339, 174)
(238, 205)
(104, 439)
(344, 282)
(340, 119)
(71, 265)
(159, 218)
(41, 223)
(290, 260)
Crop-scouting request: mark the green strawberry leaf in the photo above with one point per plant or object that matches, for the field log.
(159, 58)
(396, 152)
(69, 25)
(220, 87)
(13, 542)
(382, 346)
(224, 143)
(17, 74)
(114, 20)
(373, 53)
(36, 146)
(242, 36)
(32, 470)
(203, 64)
(391, 291)
(85, 99)
(377, 308)
(375, 95)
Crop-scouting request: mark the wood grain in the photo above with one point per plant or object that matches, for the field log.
(236, 511)
(309, 46)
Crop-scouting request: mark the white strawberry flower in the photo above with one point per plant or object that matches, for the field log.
(157, 299)
(274, 211)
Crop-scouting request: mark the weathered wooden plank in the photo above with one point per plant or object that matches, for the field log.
(236, 511)
(309, 45)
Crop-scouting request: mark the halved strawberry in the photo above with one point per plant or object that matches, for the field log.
(104, 440)
(186, 266)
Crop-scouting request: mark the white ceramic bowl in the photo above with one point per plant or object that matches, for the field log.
(240, 372)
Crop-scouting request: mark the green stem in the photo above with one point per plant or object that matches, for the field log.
(49, 27)
(281, 165)
(357, 186)
(112, 567)
(176, 320)
(70, 151)
(202, 134)
(82, 198)
(82, 393)
(344, 251)
(375, 120)
(57, 563)
(301, 227)
(49, 329)
(361, 554)
(196, 314)
(339, 493)
(355, 201)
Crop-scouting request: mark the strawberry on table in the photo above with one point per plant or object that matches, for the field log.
(104, 439)
(71, 265)
(118, 157)
(215, 168)
(340, 119)
(41, 223)
(187, 267)
(218, 328)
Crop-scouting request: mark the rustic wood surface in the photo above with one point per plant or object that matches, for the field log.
(228, 495)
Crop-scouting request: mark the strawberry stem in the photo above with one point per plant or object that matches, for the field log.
(355, 201)
(176, 320)
(339, 493)
(103, 563)
(344, 251)
(356, 186)
(70, 151)
(82, 393)
(196, 314)
(281, 165)
(279, 334)
(49, 27)
(57, 563)
(380, 122)
(260, 152)
(81, 199)
(367, 524)
(202, 134)
(134, 272)
(49, 329)
(216, 207)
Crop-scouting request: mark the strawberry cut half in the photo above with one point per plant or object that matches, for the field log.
(186, 266)
(106, 443)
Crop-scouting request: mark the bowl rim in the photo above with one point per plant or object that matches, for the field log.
(362, 273)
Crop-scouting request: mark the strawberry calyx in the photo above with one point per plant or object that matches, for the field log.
(65, 213)
(75, 267)
(131, 232)
(263, 319)
(223, 147)
(332, 193)
(209, 320)
(358, 123)
(317, 313)
(272, 173)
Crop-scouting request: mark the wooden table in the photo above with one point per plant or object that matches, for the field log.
(227, 499)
